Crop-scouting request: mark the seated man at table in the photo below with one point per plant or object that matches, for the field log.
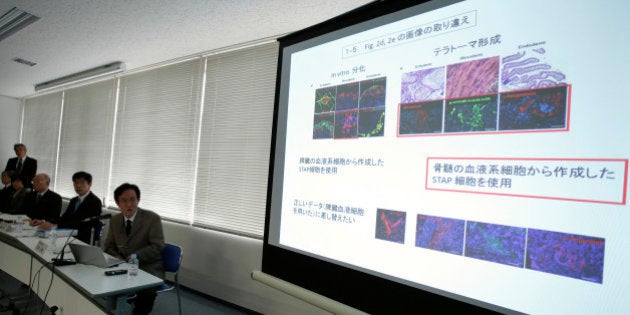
(7, 190)
(42, 204)
(138, 231)
(82, 212)
(16, 201)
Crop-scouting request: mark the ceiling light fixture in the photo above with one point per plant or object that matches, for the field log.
(93, 73)
(15, 20)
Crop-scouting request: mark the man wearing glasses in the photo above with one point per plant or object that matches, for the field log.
(136, 231)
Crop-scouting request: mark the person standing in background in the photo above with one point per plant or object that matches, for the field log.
(22, 165)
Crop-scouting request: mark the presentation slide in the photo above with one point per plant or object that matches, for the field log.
(478, 148)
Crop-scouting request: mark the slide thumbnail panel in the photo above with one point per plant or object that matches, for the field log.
(471, 114)
(496, 243)
(472, 78)
(350, 111)
(423, 117)
(534, 109)
(441, 234)
(569, 255)
(423, 85)
(324, 126)
(390, 225)
(530, 69)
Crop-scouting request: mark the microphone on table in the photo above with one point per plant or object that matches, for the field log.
(60, 261)
(94, 227)
(97, 217)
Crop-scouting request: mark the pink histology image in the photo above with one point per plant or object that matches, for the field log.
(477, 77)
(423, 85)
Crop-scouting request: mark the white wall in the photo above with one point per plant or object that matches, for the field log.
(220, 265)
(10, 116)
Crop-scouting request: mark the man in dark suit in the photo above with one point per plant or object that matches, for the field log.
(138, 231)
(42, 204)
(7, 190)
(22, 165)
(80, 209)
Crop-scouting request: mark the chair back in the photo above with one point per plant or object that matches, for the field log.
(98, 231)
(102, 235)
(171, 257)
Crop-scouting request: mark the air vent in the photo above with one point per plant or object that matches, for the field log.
(15, 20)
(24, 61)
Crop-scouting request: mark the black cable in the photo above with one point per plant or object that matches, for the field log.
(31, 283)
(52, 276)
(38, 274)
(52, 270)
(32, 280)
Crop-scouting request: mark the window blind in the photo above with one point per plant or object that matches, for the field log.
(204, 163)
(156, 134)
(86, 136)
(235, 140)
(40, 131)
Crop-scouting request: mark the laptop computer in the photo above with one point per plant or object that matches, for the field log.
(93, 255)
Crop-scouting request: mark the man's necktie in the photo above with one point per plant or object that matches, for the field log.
(39, 197)
(76, 204)
(19, 166)
(128, 227)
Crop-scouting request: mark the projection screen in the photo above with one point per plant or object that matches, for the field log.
(470, 155)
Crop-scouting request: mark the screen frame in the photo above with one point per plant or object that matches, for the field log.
(355, 288)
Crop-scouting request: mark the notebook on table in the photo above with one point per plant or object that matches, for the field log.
(93, 255)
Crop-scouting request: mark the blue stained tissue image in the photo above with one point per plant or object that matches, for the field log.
(441, 234)
(570, 255)
(496, 243)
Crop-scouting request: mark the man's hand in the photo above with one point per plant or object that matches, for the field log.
(45, 225)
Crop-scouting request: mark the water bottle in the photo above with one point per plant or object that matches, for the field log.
(52, 237)
(133, 266)
(20, 224)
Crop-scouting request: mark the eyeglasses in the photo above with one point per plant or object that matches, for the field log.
(128, 200)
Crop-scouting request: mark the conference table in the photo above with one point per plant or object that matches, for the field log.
(74, 289)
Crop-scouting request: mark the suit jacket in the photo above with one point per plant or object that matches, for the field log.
(6, 194)
(16, 202)
(91, 206)
(146, 240)
(47, 208)
(29, 168)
